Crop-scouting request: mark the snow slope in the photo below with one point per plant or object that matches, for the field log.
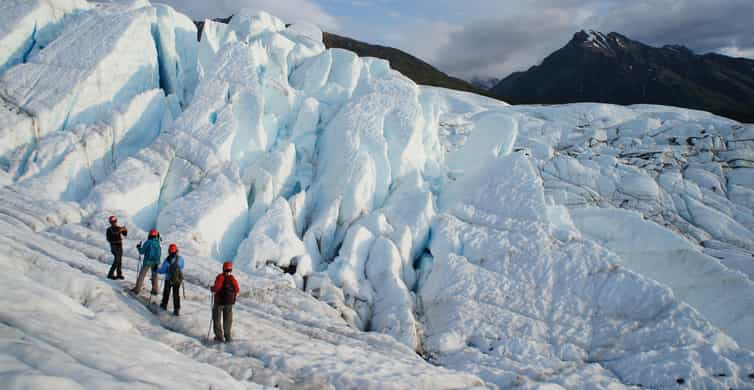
(584, 245)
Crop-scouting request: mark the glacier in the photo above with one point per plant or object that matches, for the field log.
(385, 234)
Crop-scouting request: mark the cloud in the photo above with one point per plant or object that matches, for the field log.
(493, 47)
(427, 38)
(699, 24)
(289, 11)
(501, 36)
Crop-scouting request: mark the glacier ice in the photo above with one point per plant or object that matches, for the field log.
(581, 245)
(29, 26)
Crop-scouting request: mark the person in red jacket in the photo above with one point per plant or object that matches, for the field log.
(226, 289)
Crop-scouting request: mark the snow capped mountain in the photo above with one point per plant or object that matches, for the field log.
(385, 234)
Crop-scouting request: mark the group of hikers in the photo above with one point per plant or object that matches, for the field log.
(225, 288)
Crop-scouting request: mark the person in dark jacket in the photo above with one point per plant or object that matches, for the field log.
(226, 289)
(152, 253)
(173, 268)
(115, 236)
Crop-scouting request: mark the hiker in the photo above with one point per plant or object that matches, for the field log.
(173, 267)
(115, 236)
(152, 253)
(225, 289)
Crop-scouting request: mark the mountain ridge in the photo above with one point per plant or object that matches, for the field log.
(612, 68)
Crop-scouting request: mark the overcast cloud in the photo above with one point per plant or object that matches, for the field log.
(492, 38)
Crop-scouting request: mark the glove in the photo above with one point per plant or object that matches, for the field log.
(138, 246)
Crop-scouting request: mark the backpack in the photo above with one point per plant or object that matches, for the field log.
(227, 293)
(175, 273)
(152, 252)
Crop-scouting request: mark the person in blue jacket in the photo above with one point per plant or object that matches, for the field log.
(173, 268)
(152, 253)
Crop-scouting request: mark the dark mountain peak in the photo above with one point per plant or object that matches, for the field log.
(595, 41)
(609, 44)
(579, 37)
(612, 68)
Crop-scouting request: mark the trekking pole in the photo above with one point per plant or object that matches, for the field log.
(138, 269)
(138, 265)
(211, 314)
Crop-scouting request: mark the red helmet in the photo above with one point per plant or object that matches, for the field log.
(153, 233)
(113, 219)
(228, 266)
(173, 249)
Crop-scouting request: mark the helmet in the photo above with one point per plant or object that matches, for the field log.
(173, 248)
(227, 266)
(153, 233)
(113, 219)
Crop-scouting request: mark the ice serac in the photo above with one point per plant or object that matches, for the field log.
(249, 24)
(29, 25)
(392, 310)
(67, 165)
(361, 148)
(136, 185)
(272, 240)
(214, 36)
(212, 219)
(64, 84)
(175, 38)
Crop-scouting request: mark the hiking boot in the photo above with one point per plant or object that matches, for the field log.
(163, 307)
(111, 277)
(228, 339)
(134, 290)
(218, 339)
(119, 277)
(153, 292)
(176, 313)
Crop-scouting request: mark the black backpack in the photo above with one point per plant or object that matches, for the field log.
(227, 292)
(175, 273)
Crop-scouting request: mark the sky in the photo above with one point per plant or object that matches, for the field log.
(492, 38)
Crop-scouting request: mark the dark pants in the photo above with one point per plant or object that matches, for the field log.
(227, 320)
(115, 271)
(176, 297)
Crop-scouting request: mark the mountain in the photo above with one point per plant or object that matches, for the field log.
(414, 68)
(594, 67)
(385, 234)
(484, 83)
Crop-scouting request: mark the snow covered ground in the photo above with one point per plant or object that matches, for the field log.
(431, 238)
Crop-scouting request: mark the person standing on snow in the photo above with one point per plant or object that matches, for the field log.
(152, 253)
(115, 236)
(173, 267)
(226, 289)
